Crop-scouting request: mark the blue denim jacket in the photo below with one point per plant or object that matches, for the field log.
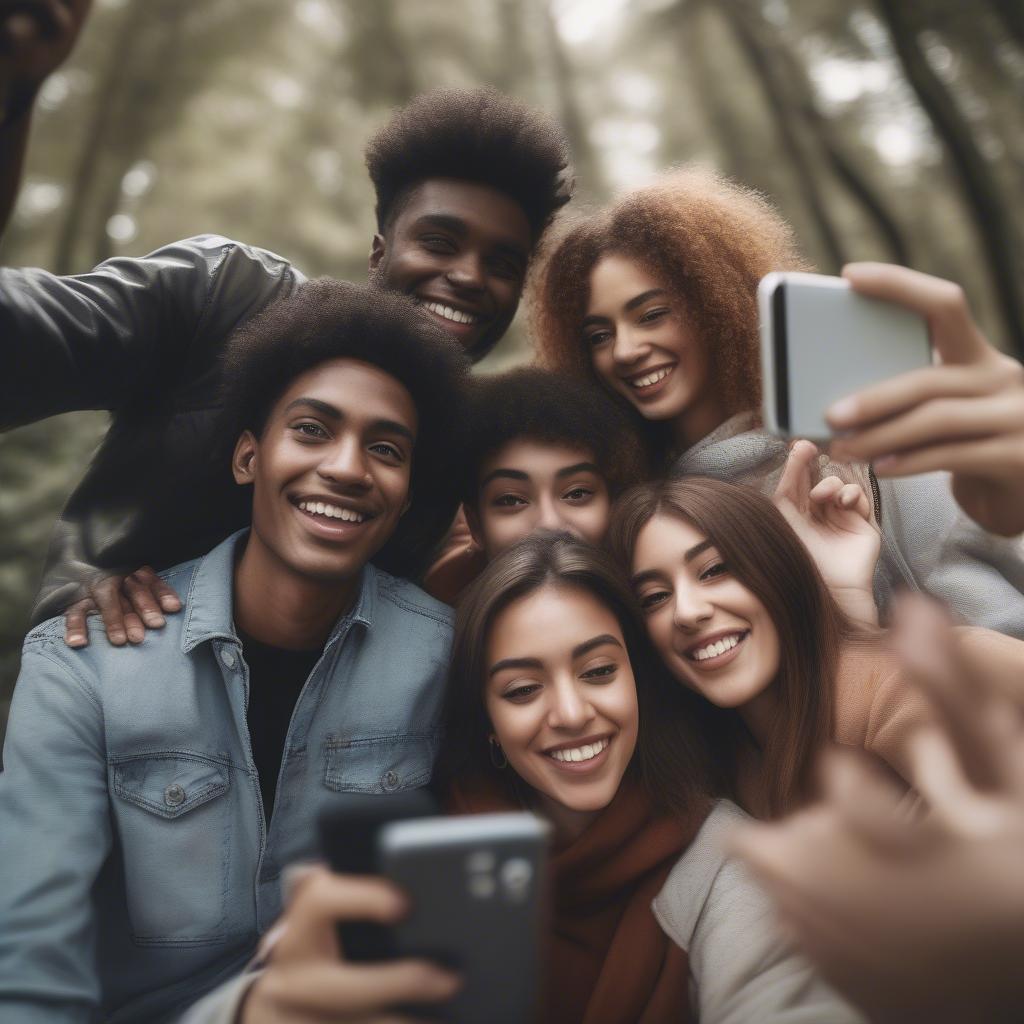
(136, 868)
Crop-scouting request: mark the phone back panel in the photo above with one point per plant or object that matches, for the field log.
(476, 907)
(821, 341)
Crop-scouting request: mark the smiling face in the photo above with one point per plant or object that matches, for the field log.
(530, 485)
(460, 250)
(330, 470)
(642, 348)
(561, 699)
(714, 635)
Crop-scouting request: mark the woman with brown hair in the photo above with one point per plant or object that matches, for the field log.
(553, 705)
(655, 298)
(773, 669)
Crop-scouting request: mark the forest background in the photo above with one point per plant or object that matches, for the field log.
(886, 130)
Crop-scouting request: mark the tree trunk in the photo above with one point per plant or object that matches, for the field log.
(979, 187)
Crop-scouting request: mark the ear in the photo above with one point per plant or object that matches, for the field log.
(243, 461)
(377, 251)
(473, 520)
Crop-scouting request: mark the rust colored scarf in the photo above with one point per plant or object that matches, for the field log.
(608, 961)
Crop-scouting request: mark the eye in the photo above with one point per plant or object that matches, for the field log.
(509, 501)
(388, 450)
(714, 570)
(653, 598)
(437, 243)
(521, 694)
(654, 315)
(310, 429)
(578, 495)
(596, 338)
(600, 673)
(504, 267)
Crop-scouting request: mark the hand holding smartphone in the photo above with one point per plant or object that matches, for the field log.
(821, 341)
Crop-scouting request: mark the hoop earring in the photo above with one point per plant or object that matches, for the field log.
(498, 758)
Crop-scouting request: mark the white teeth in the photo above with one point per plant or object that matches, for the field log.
(585, 753)
(455, 315)
(717, 647)
(321, 508)
(652, 378)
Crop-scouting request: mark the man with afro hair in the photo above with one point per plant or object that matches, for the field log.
(466, 182)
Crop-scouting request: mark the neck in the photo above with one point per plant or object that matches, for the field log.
(760, 714)
(568, 824)
(281, 608)
(697, 421)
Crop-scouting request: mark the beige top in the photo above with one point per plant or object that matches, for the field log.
(877, 708)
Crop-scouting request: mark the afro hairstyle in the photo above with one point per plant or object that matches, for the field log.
(550, 408)
(478, 135)
(326, 319)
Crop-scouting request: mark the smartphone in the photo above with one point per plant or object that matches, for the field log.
(475, 885)
(349, 832)
(820, 341)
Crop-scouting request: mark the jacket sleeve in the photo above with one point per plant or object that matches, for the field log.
(99, 340)
(54, 839)
(740, 969)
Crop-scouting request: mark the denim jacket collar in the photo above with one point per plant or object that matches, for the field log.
(209, 605)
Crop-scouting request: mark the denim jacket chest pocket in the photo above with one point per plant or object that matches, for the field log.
(379, 764)
(174, 826)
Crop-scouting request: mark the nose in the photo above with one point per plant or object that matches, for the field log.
(550, 515)
(628, 346)
(692, 608)
(466, 272)
(345, 462)
(569, 707)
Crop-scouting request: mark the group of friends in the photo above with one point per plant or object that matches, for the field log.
(663, 615)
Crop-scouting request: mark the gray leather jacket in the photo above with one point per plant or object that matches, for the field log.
(142, 338)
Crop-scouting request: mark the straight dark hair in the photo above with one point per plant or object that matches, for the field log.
(766, 556)
(670, 759)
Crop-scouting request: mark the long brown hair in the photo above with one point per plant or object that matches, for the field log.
(670, 757)
(708, 240)
(763, 553)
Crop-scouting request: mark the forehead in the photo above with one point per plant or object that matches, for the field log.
(663, 542)
(617, 279)
(539, 460)
(548, 623)
(358, 390)
(484, 212)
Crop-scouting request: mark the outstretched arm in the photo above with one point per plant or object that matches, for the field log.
(35, 37)
(965, 415)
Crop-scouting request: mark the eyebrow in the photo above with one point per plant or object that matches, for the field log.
(334, 413)
(456, 225)
(508, 474)
(577, 652)
(518, 474)
(688, 556)
(637, 300)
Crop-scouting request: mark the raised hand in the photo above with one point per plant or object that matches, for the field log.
(833, 519)
(965, 415)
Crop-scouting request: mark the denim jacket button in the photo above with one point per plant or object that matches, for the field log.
(390, 780)
(174, 795)
(228, 658)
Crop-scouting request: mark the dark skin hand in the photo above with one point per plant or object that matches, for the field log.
(35, 38)
(129, 606)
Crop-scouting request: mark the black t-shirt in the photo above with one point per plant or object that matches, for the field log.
(276, 678)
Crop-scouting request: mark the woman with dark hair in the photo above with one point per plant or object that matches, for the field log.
(552, 705)
(773, 668)
(655, 298)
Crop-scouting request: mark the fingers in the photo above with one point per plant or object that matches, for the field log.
(150, 596)
(942, 304)
(76, 632)
(113, 609)
(795, 482)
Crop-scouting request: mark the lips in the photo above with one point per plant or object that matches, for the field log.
(454, 317)
(581, 755)
(650, 382)
(715, 650)
(332, 517)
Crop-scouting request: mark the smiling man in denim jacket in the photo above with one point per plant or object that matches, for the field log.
(152, 796)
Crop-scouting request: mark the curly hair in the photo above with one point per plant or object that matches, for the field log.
(707, 239)
(478, 135)
(326, 319)
(551, 408)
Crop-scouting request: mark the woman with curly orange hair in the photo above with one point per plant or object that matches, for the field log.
(655, 297)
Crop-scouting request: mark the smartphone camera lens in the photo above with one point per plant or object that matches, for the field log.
(516, 877)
